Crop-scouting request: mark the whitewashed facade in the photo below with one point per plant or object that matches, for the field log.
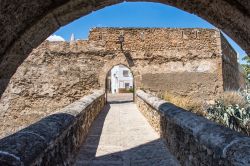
(120, 78)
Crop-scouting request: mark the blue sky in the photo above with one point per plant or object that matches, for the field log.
(136, 14)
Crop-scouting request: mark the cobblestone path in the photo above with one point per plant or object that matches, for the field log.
(122, 136)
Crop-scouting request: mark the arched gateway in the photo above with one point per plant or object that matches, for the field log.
(120, 85)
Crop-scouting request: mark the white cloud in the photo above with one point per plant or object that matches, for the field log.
(55, 38)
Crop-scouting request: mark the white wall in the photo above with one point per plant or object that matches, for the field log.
(118, 80)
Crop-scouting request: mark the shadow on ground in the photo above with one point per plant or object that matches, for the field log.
(120, 102)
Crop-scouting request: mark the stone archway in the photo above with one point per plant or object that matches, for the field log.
(124, 96)
(119, 60)
(26, 24)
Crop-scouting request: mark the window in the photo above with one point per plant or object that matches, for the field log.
(125, 73)
(127, 85)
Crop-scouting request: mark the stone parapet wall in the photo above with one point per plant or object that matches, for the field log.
(194, 140)
(151, 114)
(55, 139)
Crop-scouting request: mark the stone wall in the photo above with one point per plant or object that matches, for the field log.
(55, 139)
(184, 62)
(242, 77)
(230, 69)
(52, 77)
(27, 24)
(194, 140)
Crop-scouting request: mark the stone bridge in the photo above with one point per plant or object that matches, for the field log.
(56, 139)
(150, 131)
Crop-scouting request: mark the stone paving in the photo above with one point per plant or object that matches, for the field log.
(122, 136)
(120, 97)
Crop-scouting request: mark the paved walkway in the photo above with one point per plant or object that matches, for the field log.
(122, 136)
(120, 97)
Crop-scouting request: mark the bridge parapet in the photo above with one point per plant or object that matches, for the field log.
(54, 139)
(193, 139)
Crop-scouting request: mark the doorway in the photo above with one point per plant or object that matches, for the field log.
(120, 84)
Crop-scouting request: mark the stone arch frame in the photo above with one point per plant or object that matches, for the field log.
(120, 59)
(23, 23)
(105, 82)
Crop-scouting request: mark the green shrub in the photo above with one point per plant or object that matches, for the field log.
(124, 90)
(232, 116)
(232, 109)
(131, 90)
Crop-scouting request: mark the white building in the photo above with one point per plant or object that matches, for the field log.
(120, 79)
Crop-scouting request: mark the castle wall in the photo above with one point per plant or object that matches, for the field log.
(185, 62)
(233, 79)
(52, 77)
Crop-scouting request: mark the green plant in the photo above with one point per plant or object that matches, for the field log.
(232, 116)
(246, 66)
(124, 90)
(131, 90)
(231, 109)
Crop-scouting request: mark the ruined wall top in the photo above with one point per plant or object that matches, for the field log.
(157, 39)
(147, 39)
